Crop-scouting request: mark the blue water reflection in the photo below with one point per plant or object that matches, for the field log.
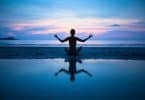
(72, 70)
(35, 79)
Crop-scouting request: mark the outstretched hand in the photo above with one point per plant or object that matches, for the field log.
(90, 35)
(55, 36)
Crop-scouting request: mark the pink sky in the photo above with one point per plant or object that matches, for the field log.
(87, 25)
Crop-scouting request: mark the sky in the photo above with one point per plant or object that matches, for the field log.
(41, 19)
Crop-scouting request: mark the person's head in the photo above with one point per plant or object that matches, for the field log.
(72, 32)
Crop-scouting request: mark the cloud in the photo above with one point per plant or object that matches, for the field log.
(83, 26)
(42, 33)
(135, 26)
(115, 25)
(6, 32)
(141, 23)
(121, 35)
(86, 25)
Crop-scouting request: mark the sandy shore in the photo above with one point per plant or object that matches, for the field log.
(86, 53)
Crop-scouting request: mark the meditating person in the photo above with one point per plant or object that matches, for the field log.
(72, 42)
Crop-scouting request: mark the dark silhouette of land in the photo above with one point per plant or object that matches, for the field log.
(73, 42)
(8, 38)
(72, 70)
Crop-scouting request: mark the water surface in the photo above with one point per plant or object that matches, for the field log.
(38, 79)
(90, 43)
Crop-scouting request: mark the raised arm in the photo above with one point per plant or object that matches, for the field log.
(83, 40)
(60, 39)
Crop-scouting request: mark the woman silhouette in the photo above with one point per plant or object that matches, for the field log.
(72, 42)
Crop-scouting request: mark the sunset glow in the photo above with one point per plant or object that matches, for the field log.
(23, 18)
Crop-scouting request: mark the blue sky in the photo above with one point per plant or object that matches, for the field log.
(28, 18)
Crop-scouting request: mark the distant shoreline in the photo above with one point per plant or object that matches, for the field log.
(8, 38)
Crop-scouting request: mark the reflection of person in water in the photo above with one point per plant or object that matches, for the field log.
(72, 42)
(72, 68)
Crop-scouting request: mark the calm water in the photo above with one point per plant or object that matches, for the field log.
(53, 43)
(51, 79)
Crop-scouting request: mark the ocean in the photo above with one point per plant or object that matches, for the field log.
(90, 43)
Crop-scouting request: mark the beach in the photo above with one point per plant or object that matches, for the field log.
(72, 49)
(59, 52)
(36, 72)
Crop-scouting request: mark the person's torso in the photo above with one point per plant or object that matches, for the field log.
(72, 42)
